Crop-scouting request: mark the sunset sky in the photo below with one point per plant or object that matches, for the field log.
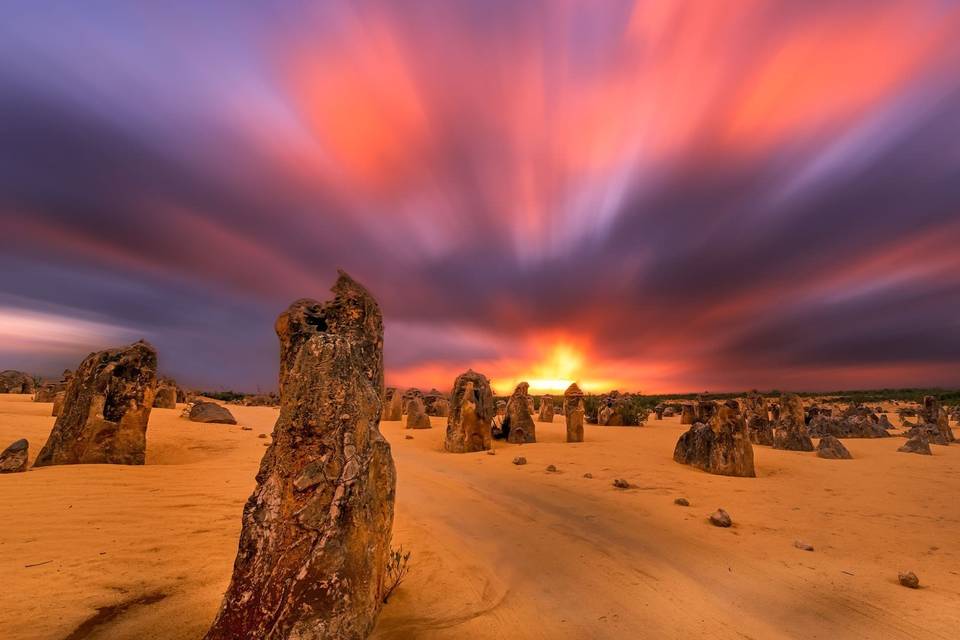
(655, 196)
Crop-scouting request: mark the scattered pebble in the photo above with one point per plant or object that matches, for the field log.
(408, 437)
(588, 475)
(551, 468)
(261, 435)
(491, 452)
(683, 502)
(246, 428)
(720, 518)
(909, 580)
(519, 460)
(620, 483)
(799, 544)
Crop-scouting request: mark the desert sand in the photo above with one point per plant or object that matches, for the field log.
(499, 550)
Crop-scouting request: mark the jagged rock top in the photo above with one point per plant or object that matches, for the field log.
(573, 390)
(352, 313)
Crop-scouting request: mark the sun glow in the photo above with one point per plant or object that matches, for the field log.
(561, 366)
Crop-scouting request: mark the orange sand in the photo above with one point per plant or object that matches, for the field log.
(501, 551)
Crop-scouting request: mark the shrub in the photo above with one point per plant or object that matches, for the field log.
(398, 566)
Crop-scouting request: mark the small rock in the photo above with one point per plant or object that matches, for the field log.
(266, 444)
(491, 452)
(917, 444)
(408, 437)
(551, 468)
(519, 460)
(620, 483)
(588, 475)
(683, 502)
(909, 580)
(720, 518)
(261, 435)
(799, 544)
(832, 449)
(211, 413)
(13, 459)
(246, 428)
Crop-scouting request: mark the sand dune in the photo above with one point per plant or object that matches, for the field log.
(501, 551)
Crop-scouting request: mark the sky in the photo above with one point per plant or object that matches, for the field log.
(650, 196)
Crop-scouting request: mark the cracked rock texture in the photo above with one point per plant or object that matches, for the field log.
(316, 531)
(102, 418)
(471, 412)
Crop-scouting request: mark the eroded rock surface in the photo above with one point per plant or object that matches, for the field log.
(48, 391)
(573, 412)
(471, 414)
(13, 459)
(16, 382)
(518, 425)
(917, 443)
(757, 416)
(790, 431)
(105, 409)
(417, 417)
(166, 397)
(546, 409)
(394, 405)
(721, 447)
(58, 403)
(852, 426)
(316, 531)
(211, 413)
(831, 448)
(436, 404)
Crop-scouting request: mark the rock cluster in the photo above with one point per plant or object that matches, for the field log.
(47, 392)
(256, 400)
(704, 410)
(848, 426)
(105, 409)
(468, 426)
(758, 419)
(721, 447)
(618, 409)
(313, 552)
(573, 412)
(436, 404)
(790, 431)
(16, 382)
(934, 424)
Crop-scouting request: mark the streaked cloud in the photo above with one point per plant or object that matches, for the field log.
(670, 195)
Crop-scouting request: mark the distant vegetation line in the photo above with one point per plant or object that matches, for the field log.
(860, 395)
